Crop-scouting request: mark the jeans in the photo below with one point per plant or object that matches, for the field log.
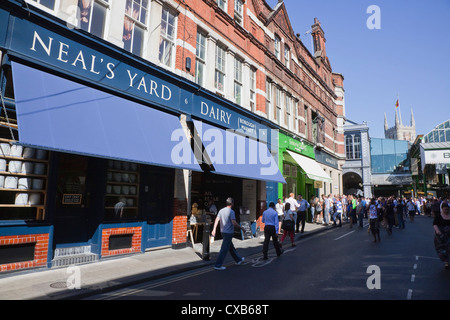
(326, 217)
(401, 221)
(227, 245)
(337, 215)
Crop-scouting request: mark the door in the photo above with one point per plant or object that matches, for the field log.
(72, 207)
(157, 206)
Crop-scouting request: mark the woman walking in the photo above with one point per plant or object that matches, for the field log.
(288, 224)
(373, 221)
(441, 225)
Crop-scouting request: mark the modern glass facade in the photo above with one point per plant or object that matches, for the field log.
(389, 156)
(440, 134)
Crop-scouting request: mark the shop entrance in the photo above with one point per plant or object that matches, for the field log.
(157, 206)
(74, 222)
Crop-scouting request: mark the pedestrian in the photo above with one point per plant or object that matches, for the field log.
(279, 207)
(319, 211)
(338, 212)
(326, 209)
(360, 212)
(400, 214)
(288, 224)
(294, 204)
(303, 205)
(390, 215)
(312, 205)
(373, 220)
(227, 220)
(441, 225)
(411, 207)
(270, 220)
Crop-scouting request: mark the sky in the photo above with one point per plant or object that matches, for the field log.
(408, 57)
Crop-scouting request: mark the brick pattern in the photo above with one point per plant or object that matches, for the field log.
(40, 251)
(135, 242)
(179, 229)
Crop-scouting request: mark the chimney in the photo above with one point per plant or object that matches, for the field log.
(318, 39)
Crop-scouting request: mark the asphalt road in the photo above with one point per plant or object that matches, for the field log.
(339, 264)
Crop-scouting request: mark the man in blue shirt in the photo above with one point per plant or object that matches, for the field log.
(270, 220)
(301, 213)
(227, 219)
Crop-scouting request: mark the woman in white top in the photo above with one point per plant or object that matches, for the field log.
(279, 207)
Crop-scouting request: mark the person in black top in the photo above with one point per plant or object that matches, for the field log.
(441, 225)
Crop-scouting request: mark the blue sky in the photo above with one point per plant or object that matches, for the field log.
(409, 57)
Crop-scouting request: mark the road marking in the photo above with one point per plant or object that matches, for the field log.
(345, 235)
(413, 277)
(408, 296)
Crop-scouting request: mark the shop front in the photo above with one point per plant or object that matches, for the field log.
(95, 156)
(302, 173)
(238, 157)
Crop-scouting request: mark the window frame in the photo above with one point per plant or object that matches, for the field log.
(220, 68)
(199, 60)
(166, 38)
(136, 24)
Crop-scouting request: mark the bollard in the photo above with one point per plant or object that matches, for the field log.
(206, 241)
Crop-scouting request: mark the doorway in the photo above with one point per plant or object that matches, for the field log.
(157, 206)
(73, 216)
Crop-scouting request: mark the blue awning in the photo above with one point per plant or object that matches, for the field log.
(235, 155)
(58, 114)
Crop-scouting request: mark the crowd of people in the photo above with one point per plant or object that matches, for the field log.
(381, 212)
(291, 215)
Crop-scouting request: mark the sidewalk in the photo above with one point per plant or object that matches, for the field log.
(114, 273)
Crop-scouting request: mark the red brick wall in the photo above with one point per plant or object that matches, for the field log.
(40, 250)
(135, 242)
(179, 229)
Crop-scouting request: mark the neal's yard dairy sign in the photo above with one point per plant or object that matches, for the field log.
(66, 54)
(58, 51)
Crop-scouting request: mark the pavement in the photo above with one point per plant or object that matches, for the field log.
(108, 274)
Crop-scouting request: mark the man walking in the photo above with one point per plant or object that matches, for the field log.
(227, 219)
(270, 220)
(301, 213)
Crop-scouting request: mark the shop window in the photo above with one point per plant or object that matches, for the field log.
(200, 62)
(135, 24)
(167, 41)
(93, 16)
(122, 190)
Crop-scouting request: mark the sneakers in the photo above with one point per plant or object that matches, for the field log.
(223, 268)
(220, 268)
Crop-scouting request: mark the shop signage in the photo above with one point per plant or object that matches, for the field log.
(71, 199)
(62, 53)
(326, 159)
(288, 143)
(58, 51)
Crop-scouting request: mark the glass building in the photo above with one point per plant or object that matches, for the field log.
(389, 156)
(440, 134)
(391, 167)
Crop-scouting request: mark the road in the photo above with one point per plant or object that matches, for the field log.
(339, 264)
